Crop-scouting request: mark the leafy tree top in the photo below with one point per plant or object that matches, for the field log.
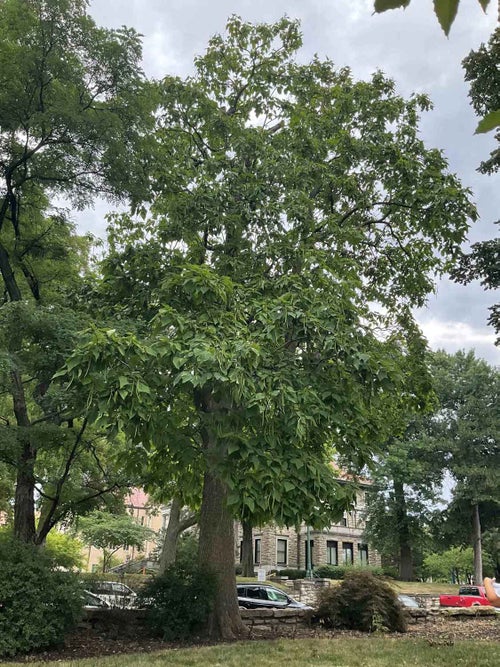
(289, 199)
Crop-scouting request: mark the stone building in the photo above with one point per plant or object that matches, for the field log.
(276, 548)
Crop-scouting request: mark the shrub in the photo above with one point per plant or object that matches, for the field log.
(187, 550)
(39, 604)
(178, 602)
(340, 571)
(361, 602)
(292, 573)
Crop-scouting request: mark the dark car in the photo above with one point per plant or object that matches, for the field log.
(260, 596)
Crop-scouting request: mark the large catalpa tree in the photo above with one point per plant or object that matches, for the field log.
(289, 200)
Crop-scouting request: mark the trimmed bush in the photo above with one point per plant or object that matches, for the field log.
(340, 571)
(292, 573)
(39, 604)
(361, 602)
(178, 602)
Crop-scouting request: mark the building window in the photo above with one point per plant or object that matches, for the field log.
(241, 550)
(256, 552)
(344, 521)
(348, 553)
(306, 554)
(363, 554)
(281, 551)
(332, 552)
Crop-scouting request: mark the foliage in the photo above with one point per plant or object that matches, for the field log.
(245, 338)
(134, 581)
(481, 263)
(291, 573)
(445, 10)
(455, 565)
(481, 71)
(39, 603)
(179, 602)
(341, 571)
(361, 602)
(65, 550)
(407, 481)
(110, 532)
(187, 550)
(74, 115)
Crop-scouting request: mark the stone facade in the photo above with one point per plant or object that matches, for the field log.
(278, 548)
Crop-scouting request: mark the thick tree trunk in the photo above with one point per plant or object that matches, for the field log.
(247, 550)
(402, 526)
(216, 552)
(477, 546)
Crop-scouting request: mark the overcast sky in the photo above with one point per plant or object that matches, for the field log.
(407, 45)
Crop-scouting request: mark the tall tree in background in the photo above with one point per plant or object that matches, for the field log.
(288, 197)
(407, 483)
(72, 119)
(469, 391)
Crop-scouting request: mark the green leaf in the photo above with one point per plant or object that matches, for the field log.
(383, 5)
(142, 388)
(489, 122)
(446, 11)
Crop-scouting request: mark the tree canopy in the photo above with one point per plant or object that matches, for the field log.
(74, 114)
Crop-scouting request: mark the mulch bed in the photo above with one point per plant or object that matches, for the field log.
(92, 642)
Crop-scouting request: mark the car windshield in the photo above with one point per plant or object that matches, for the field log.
(276, 596)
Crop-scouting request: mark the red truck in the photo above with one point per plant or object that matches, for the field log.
(468, 596)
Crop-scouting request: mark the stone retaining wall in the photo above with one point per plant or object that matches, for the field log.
(275, 620)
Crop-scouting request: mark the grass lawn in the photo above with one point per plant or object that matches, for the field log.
(369, 652)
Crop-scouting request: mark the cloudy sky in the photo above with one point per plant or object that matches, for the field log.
(407, 45)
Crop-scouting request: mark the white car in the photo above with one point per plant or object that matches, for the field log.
(114, 593)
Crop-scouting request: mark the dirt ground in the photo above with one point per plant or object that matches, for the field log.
(88, 642)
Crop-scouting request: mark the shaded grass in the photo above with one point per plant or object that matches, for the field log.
(366, 652)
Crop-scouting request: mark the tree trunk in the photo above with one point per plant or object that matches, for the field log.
(216, 552)
(8, 275)
(176, 525)
(24, 500)
(476, 543)
(403, 529)
(169, 546)
(247, 550)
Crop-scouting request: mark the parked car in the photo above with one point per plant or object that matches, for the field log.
(412, 607)
(114, 593)
(468, 596)
(408, 601)
(91, 601)
(260, 596)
